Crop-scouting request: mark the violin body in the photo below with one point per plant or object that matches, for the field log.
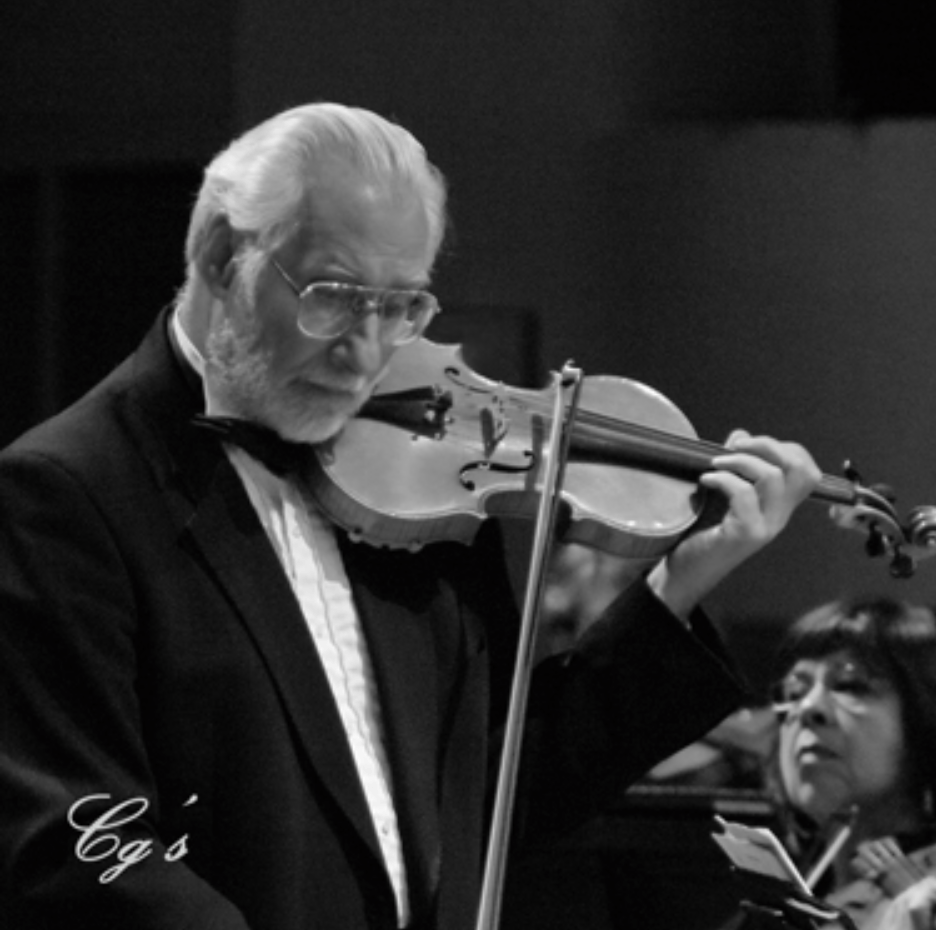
(439, 448)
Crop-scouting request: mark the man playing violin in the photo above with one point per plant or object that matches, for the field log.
(218, 710)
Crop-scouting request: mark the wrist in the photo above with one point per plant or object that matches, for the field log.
(674, 593)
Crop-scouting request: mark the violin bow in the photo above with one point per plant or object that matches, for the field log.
(559, 444)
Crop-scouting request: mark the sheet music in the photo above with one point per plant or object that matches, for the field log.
(757, 849)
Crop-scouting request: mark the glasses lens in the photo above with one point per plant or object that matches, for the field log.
(324, 310)
(406, 314)
(328, 309)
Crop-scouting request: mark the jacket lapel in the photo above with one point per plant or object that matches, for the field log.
(227, 531)
(212, 509)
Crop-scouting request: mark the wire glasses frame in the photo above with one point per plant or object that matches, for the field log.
(328, 309)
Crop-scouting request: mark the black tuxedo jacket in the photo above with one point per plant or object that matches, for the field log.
(158, 679)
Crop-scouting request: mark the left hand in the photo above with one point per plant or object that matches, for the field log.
(763, 481)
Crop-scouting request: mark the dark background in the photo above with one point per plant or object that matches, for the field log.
(731, 201)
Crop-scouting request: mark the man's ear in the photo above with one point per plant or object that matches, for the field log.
(216, 260)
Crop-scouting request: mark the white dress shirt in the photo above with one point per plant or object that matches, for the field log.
(304, 542)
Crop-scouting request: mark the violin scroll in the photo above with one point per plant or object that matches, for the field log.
(871, 511)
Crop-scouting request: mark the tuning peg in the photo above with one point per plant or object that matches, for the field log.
(853, 475)
(921, 527)
(875, 545)
(850, 472)
(902, 565)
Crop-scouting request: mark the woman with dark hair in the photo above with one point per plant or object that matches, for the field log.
(856, 758)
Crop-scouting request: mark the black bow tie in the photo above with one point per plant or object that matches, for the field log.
(281, 456)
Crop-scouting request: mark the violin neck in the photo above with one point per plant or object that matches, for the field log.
(675, 456)
(832, 490)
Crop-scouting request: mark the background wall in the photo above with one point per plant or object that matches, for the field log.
(734, 202)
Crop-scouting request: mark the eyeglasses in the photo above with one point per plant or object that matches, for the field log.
(850, 684)
(328, 309)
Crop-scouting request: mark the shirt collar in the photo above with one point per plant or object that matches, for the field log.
(186, 346)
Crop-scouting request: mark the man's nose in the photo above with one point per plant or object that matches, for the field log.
(362, 344)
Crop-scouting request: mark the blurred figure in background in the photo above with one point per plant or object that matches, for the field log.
(855, 764)
(581, 583)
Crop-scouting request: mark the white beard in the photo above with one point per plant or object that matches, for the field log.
(238, 372)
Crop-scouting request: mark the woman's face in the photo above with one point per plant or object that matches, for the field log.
(842, 740)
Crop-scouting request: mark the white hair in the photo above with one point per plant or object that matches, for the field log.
(264, 180)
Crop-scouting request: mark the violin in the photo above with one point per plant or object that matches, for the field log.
(887, 871)
(438, 448)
